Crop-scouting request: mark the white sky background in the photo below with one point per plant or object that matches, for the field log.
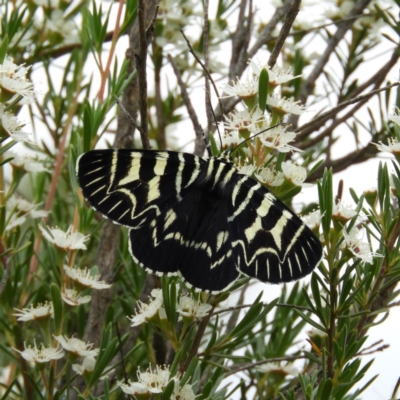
(359, 177)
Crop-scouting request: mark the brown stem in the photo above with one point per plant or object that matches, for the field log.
(197, 340)
(287, 25)
(207, 96)
(112, 50)
(55, 179)
(199, 144)
(141, 66)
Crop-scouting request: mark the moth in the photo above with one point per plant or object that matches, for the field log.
(198, 218)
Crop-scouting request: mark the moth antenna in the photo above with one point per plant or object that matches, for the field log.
(257, 134)
(207, 72)
(215, 120)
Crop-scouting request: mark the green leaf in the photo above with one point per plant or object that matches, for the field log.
(213, 145)
(309, 320)
(190, 371)
(263, 88)
(3, 48)
(324, 390)
(167, 392)
(325, 192)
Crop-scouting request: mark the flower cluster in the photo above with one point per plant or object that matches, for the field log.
(154, 311)
(15, 85)
(40, 312)
(19, 210)
(265, 139)
(362, 250)
(154, 381)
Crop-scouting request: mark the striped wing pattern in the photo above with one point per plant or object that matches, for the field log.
(196, 218)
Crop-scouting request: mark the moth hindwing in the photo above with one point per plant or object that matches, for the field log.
(197, 218)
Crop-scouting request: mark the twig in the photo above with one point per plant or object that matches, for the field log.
(266, 361)
(331, 46)
(207, 97)
(110, 57)
(241, 39)
(265, 304)
(141, 66)
(199, 144)
(364, 352)
(203, 66)
(127, 115)
(266, 34)
(287, 25)
(326, 115)
(197, 339)
(55, 178)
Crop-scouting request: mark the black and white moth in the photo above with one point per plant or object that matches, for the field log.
(197, 218)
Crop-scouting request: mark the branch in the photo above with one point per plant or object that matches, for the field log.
(287, 25)
(375, 80)
(199, 144)
(141, 66)
(332, 44)
(245, 367)
(207, 97)
(361, 100)
(240, 40)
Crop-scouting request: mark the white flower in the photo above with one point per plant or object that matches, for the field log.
(13, 126)
(312, 220)
(343, 211)
(41, 311)
(270, 176)
(66, 28)
(247, 88)
(26, 207)
(65, 240)
(21, 209)
(77, 347)
(286, 370)
(15, 221)
(246, 169)
(359, 248)
(182, 393)
(276, 75)
(147, 311)
(42, 355)
(28, 163)
(133, 387)
(151, 381)
(243, 119)
(294, 173)
(277, 138)
(230, 140)
(393, 146)
(285, 105)
(191, 308)
(84, 278)
(88, 365)
(13, 78)
(155, 380)
(73, 298)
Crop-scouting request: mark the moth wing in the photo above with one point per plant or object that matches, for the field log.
(126, 186)
(270, 242)
(191, 240)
